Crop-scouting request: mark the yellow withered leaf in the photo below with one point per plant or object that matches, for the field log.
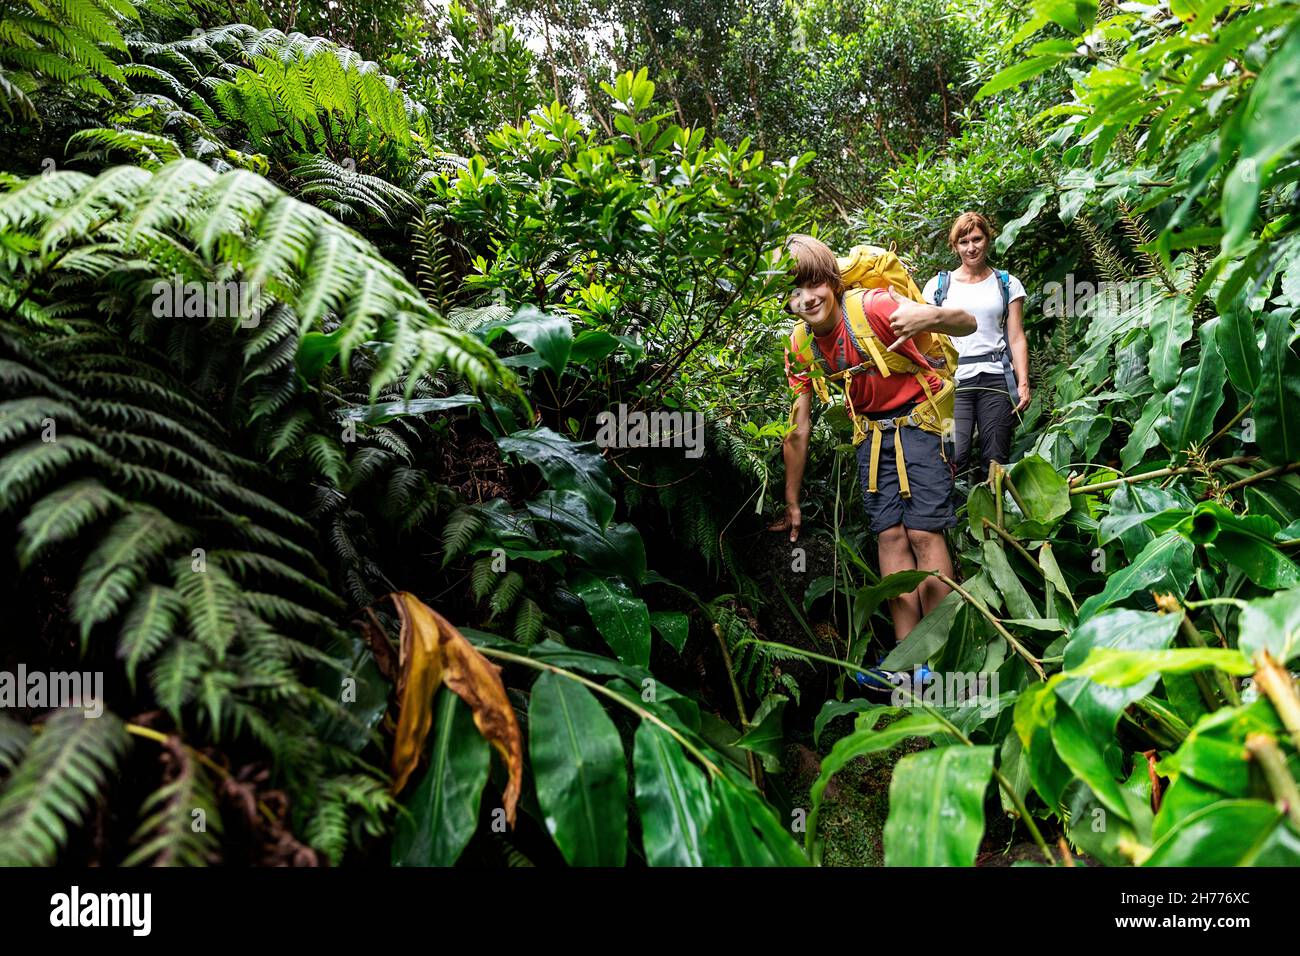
(433, 652)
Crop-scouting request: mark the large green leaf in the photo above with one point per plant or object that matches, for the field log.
(672, 796)
(980, 505)
(743, 832)
(673, 626)
(998, 567)
(551, 336)
(1171, 327)
(1214, 752)
(1099, 705)
(838, 708)
(1164, 564)
(577, 759)
(622, 619)
(1043, 489)
(1230, 833)
(1083, 755)
(936, 807)
(617, 547)
(1268, 133)
(1142, 437)
(766, 736)
(1239, 347)
(1272, 623)
(1123, 668)
(442, 812)
(927, 637)
(1246, 541)
(1277, 403)
(1053, 574)
(567, 466)
(1014, 75)
(1189, 410)
(1135, 511)
(1034, 713)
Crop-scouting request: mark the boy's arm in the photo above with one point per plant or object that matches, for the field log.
(910, 319)
(795, 452)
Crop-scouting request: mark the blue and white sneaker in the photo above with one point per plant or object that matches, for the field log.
(877, 682)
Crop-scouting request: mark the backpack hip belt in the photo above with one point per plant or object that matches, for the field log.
(925, 416)
(1002, 356)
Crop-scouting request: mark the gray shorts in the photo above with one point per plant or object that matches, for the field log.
(929, 476)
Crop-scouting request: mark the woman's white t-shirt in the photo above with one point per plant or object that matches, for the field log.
(984, 301)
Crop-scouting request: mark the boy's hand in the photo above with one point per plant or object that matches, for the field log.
(909, 319)
(791, 521)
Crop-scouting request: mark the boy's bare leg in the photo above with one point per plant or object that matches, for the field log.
(930, 551)
(896, 554)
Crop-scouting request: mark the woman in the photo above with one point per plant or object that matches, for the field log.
(993, 374)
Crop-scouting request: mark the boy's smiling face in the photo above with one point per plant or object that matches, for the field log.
(814, 304)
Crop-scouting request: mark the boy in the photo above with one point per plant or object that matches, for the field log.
(909, 528)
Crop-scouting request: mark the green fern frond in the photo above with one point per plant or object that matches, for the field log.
(62, 515)
(528, 622)
(14, 740)
(153, 620)
(210, 599)
(503, 598)
(461, 527)
(63, 772)
(180, 821)
(481, 578)
(117, 566)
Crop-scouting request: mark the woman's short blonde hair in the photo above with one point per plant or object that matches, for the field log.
(967, 223)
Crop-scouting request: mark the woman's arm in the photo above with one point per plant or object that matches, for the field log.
(1019, 347)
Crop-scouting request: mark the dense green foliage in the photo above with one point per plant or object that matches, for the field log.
(440, 261)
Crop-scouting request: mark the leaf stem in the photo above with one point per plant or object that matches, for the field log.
(1019, 648)
(1162, 473)
(1264, 749)
(159, 737)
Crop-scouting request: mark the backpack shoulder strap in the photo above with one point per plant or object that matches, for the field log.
(941, 291)
(860, 332)
(1004, 284)
(805, 351)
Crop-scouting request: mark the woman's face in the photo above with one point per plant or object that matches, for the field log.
(973, 247)
(812, 303)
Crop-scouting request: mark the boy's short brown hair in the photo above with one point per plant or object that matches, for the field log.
(966, 223)
(815, 263)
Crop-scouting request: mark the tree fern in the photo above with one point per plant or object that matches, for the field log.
(328, 829)
(180, 822)
(53, 787)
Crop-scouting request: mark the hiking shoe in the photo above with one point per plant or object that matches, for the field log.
(878, 683)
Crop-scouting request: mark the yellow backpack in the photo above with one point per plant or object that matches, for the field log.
(870, 267)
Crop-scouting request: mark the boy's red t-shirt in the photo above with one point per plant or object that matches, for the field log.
(871, 393)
